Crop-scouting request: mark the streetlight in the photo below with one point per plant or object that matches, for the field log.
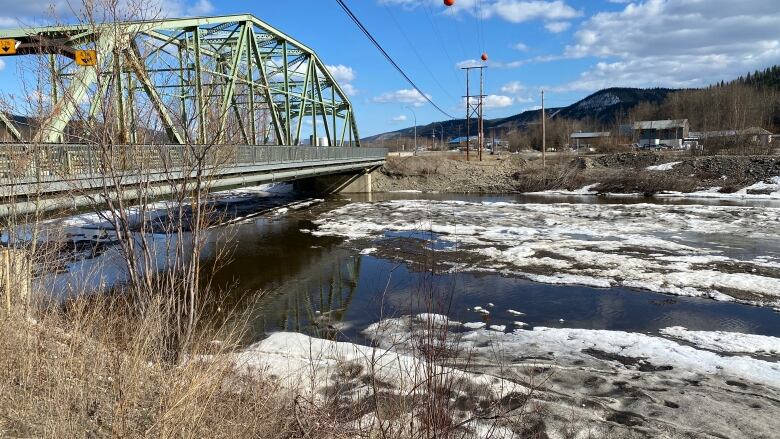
(415, 127)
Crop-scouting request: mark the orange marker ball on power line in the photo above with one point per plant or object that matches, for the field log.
(484, 57)
(449, 2)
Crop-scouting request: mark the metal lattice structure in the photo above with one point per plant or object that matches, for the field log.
(212, 80)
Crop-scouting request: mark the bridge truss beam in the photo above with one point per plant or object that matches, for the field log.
(213, 80)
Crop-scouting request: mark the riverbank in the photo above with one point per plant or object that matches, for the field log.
(625, 173)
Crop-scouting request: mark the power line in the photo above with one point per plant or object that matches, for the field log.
(416, 52)
(438, 33)
(388, 57)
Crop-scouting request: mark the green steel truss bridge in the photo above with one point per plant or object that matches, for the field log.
(231, 79)
(155, 91)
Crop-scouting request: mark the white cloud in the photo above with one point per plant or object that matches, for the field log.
(494, 101)
(399, 119)
(344, 75)
(469, 63)
(677, 43)
(491, 63)
(557, 27)
(405, 96)
(513, 11)
(498, 101)
(202, 7)
(522, 47)
(42, 12)
(521, 11)
(513, 87)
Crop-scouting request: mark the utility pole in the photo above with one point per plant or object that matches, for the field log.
(475, 109)
(468, 114)
(481, 113)
(544, 136)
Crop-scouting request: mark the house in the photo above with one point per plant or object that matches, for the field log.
(462, 140)
(754, 135)
(661, 133)
(588, 140)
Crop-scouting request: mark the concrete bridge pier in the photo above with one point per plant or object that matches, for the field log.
(347, 183)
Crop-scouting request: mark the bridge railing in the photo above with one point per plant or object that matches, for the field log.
(51, 161)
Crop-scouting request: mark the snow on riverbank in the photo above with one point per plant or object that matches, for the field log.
(654, 386)
(663, 248)
(345, 376)
(663, 167)
(729, 342)
(578, 382)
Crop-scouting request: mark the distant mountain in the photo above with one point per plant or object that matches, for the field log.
(602, 107)
(605, 104)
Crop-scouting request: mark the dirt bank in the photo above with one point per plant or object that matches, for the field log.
(646, 173)
(448, 173)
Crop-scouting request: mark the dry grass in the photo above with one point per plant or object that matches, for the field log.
(94, 370)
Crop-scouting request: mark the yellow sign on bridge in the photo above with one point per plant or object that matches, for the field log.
(86, 57)
(8, 46)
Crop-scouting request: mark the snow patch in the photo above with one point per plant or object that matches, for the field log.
(663, 167)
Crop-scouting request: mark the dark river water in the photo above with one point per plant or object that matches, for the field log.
(292, 280)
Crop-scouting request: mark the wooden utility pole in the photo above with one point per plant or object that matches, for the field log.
(544, 136)
(481, 112)
(475, 109)
(468, 114)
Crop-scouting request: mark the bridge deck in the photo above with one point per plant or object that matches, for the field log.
(61, 168)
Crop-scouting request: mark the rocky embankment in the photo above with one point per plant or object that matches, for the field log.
(643, 173)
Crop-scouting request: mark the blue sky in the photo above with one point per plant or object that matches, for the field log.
(568, 47)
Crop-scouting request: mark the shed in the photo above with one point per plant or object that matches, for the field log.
(656, 133)
(588, 139)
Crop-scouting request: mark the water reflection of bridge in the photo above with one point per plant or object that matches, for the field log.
(310, 281)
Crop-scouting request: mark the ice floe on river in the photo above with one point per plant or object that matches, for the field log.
(768, 190)
(728, 342)
(721, 252)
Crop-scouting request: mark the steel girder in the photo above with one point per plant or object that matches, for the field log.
(230, 79)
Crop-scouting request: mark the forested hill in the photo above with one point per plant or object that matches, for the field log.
(767, 78)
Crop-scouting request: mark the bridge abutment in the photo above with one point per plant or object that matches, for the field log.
(351, 183)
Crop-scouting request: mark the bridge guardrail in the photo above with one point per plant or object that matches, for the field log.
(46, 161)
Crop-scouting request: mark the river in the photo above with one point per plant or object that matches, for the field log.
(337, 282)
